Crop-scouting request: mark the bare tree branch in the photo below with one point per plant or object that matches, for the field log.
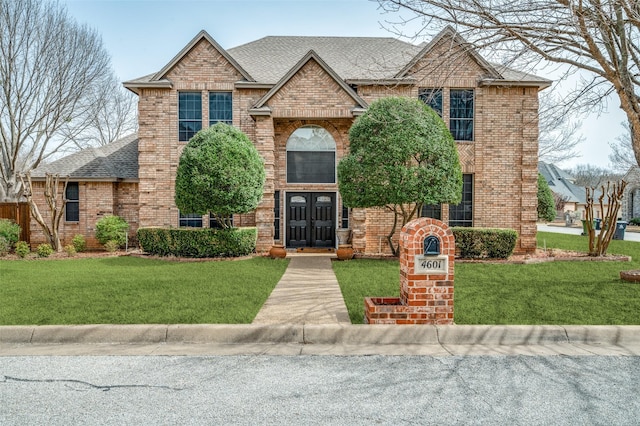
(601, 37)
(622, 157)
(52, 73)
(558, 138)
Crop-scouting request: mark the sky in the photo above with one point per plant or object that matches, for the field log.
(144, 35)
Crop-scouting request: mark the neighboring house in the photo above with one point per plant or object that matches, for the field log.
(562, 184)
(296, 98)
(631, 199)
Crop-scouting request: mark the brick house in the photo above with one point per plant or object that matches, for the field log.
(296, 98)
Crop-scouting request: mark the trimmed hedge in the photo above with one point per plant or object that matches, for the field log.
(193, 242)
(492, 243)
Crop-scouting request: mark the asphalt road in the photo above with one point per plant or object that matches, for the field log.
(289, 390)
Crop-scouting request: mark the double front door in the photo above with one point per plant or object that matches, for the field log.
(311, 219)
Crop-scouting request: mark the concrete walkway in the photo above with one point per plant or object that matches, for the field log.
(307, 293)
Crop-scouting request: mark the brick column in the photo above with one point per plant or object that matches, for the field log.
(265, 143)
(426, 281)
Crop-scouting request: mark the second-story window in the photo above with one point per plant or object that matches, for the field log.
(189, 115)
(433, 98)
(220, 108)
(461, 114)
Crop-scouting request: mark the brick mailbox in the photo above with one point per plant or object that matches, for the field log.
(427, 253)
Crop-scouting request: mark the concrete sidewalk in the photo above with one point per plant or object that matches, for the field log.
(314, 339)
(307, 293)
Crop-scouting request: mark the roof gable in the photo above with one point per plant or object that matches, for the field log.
(458, 41)
(201, 35)
(260, 107)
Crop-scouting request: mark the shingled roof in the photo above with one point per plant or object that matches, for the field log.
(561, 183)
(114, 161)
(354, 59)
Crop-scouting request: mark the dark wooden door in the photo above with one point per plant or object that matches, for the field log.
(311, 219)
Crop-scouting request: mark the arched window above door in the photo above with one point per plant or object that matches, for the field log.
(311, 156)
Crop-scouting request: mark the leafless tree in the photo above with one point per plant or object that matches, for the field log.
(598, 40)
(587, 175)
(56, 203)
(559, 134)
(559, 201)
(613, 192)
(622, 157)
(52, 73)
(112, 116)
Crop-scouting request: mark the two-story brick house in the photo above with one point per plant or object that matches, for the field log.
(296, 98)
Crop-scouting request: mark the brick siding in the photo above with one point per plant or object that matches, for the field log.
(502, 157)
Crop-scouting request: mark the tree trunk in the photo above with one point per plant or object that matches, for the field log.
(56, 206)
(598, 245)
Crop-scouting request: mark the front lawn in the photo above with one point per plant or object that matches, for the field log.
(130, 290)
(548, 293)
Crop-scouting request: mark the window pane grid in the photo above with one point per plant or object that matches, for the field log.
(192, 220)
(189, 115)
(345, 217)
(213, 222)
(434, 211)
(276, 215)
(220, 108)
(72, 206)
(433, 98)
(461, 114)
(462, 214)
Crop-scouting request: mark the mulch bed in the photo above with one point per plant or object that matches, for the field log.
(552, 255)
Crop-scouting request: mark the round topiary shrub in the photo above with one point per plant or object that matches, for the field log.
(70, 250)
(79, 243)
(22, 249)
(44, 250)
(112, 228)
(111, 246)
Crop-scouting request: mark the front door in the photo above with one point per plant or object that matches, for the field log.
(311, 219)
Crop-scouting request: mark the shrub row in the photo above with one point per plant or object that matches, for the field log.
(476, 243)
(206, 242)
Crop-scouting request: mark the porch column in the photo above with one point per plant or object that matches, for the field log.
(265, 143)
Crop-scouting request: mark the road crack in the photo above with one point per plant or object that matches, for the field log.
(81, 383)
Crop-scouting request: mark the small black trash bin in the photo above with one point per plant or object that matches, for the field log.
(598, 223)
(621, 226)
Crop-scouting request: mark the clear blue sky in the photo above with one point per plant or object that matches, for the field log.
(143, 35)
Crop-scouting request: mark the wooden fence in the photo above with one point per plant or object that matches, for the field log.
(18, 212)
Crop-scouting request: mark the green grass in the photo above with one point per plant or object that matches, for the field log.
(548, 293)
(130, 290)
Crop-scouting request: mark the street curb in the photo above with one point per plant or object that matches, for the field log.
(321, 334)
